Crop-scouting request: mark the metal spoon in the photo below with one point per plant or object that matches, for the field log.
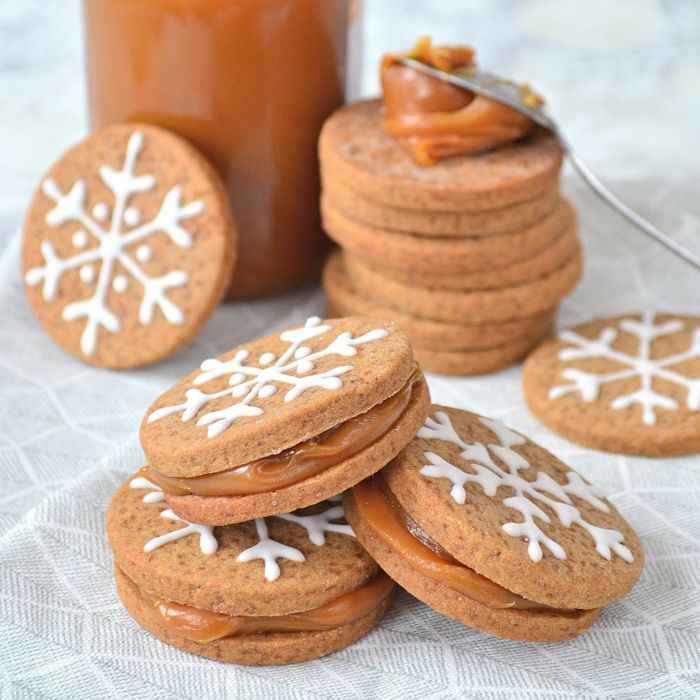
(511, 94)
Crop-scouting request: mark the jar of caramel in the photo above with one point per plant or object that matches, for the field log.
(249, 83)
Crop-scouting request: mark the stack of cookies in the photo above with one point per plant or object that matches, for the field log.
(470, 256)
(232, 543)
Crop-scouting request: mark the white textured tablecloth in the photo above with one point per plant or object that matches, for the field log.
(68, 438)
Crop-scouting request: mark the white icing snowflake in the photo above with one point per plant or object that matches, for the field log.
(249, 382)
(112, 233)
(270, 550)
(207, 542)
(641, 365)
(544, 489)
(266, 549)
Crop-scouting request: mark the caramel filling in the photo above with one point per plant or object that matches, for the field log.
(433, 119)
(297, 463)
(393, 526)
(206, 626)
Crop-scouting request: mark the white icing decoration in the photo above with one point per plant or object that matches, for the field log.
(640, 366)
(257, 379)
(111, 245)
(207, 541)
(266, 358)
(80, 239)
(87, 274)
(317, 525)
(544, 489)
(120, 283)
(143, 253)
(132, 216)
(269, 551)
(156, 495)
(100, 211)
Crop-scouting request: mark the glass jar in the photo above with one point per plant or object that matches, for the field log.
(249, 83)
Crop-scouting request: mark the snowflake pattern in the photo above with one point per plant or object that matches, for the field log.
(113, 233)
(588, 384)
(490, 476)
(249, 382)
(266, 549)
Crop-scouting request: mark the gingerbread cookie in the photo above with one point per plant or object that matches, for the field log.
(128, 246)
(489, 528)
(562, 249)
(440, 223)
(273, 591)
(623, 384)
(356, 152)
(475, 307)
(285, 421)
(345, 300)
(451, 256)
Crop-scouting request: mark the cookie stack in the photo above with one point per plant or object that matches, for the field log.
(470, 257)
(231, 543)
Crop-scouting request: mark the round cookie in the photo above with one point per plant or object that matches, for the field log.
(481, 306)
(439, 223)
(274, 591)
(285, 421)
(426, 254)
(517, 543)
(354, 147)
(553, 257)
(344, 300)
(128, 246)
(626, 384)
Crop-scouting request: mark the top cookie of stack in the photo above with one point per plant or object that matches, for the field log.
(470, 254)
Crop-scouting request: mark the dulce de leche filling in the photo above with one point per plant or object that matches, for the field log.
(205, 626)
(297, 463)
(432, 119)
(392, 525)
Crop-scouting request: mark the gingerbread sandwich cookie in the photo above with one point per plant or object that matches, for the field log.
(285, 421)
(275, 590)
(623, 384)
(129, 245)
(489, 528)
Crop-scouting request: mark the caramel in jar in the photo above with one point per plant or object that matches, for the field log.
(249, 83)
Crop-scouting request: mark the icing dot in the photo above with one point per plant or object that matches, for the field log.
(236, 378)
(267, 391)
(87, 274)
(120, 283)
(238, 391)
(132, 216)
(100, 211)
(303, 351)
(305, 366)
(80, 239)
(266, 358)
(143, 253)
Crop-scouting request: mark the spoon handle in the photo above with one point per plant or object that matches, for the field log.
(639, 221)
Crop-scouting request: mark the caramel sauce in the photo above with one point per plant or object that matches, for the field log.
(300, 462)
(205, 626)
(391, 524)
(249, 83)
(433, 119)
